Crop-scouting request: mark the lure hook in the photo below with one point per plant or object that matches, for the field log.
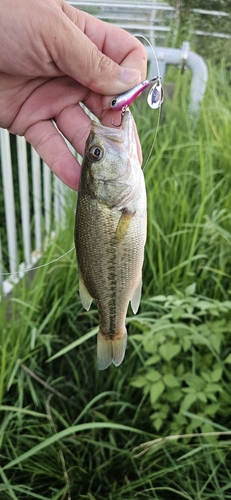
(123, 111)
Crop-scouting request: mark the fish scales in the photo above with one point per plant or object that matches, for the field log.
(110, 233)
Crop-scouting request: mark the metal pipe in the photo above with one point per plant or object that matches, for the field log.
(196, 64)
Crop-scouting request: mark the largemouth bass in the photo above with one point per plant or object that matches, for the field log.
(110, 233)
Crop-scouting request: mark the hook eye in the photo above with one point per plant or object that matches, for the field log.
(96, 152)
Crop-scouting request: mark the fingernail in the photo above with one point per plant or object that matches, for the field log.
(130, 75)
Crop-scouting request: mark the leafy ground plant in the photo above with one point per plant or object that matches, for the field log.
(186, 338)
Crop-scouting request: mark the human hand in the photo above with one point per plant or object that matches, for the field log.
(52, 57)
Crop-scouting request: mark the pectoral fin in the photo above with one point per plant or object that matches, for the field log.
(123, 225)
(135, 300)
(85, 296)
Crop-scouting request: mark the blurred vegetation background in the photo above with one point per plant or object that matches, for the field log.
(159, 425)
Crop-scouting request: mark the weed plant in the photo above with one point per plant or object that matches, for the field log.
(68, 431)
(188, 188)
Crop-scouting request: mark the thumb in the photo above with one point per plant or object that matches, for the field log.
(112, 61)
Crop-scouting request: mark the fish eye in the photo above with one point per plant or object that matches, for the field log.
(96, 152)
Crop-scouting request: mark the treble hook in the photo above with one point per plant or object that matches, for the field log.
(123, 111)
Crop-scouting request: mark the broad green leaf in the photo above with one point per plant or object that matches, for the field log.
(205, 305)
(202, 397)
(212, 396)
(158, 422)
(180, 419)
(153, 360)
(191, 289)
(174, 395)
(226, 398)
(169, 351)
(150, 345)
(146, 389)
(153, 376)
(195, 382)
(213, 388)
(177, 313)
(159, 298)
(192, 426)
(188, 390)
(212, 408)
(216, 375)
(164, 410)
(180, 369)
(170, 380)
(188, 401)
(186, 343)
(139, 381)
(156, 390)
(208, 428)
(206, 376)
(228, 359)
(216, 339)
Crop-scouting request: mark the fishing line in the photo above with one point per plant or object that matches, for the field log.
(42, 265)
(139, 35)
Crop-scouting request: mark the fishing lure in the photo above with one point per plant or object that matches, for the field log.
(155, 96)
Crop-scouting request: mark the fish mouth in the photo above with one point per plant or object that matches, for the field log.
(123, 134)
(125, 138)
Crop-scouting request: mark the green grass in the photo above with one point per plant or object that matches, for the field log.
(68, 431)
(188, 187)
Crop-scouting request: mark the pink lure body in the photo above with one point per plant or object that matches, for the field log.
(125, 99)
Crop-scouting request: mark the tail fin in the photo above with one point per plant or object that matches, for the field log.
(110, 351)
